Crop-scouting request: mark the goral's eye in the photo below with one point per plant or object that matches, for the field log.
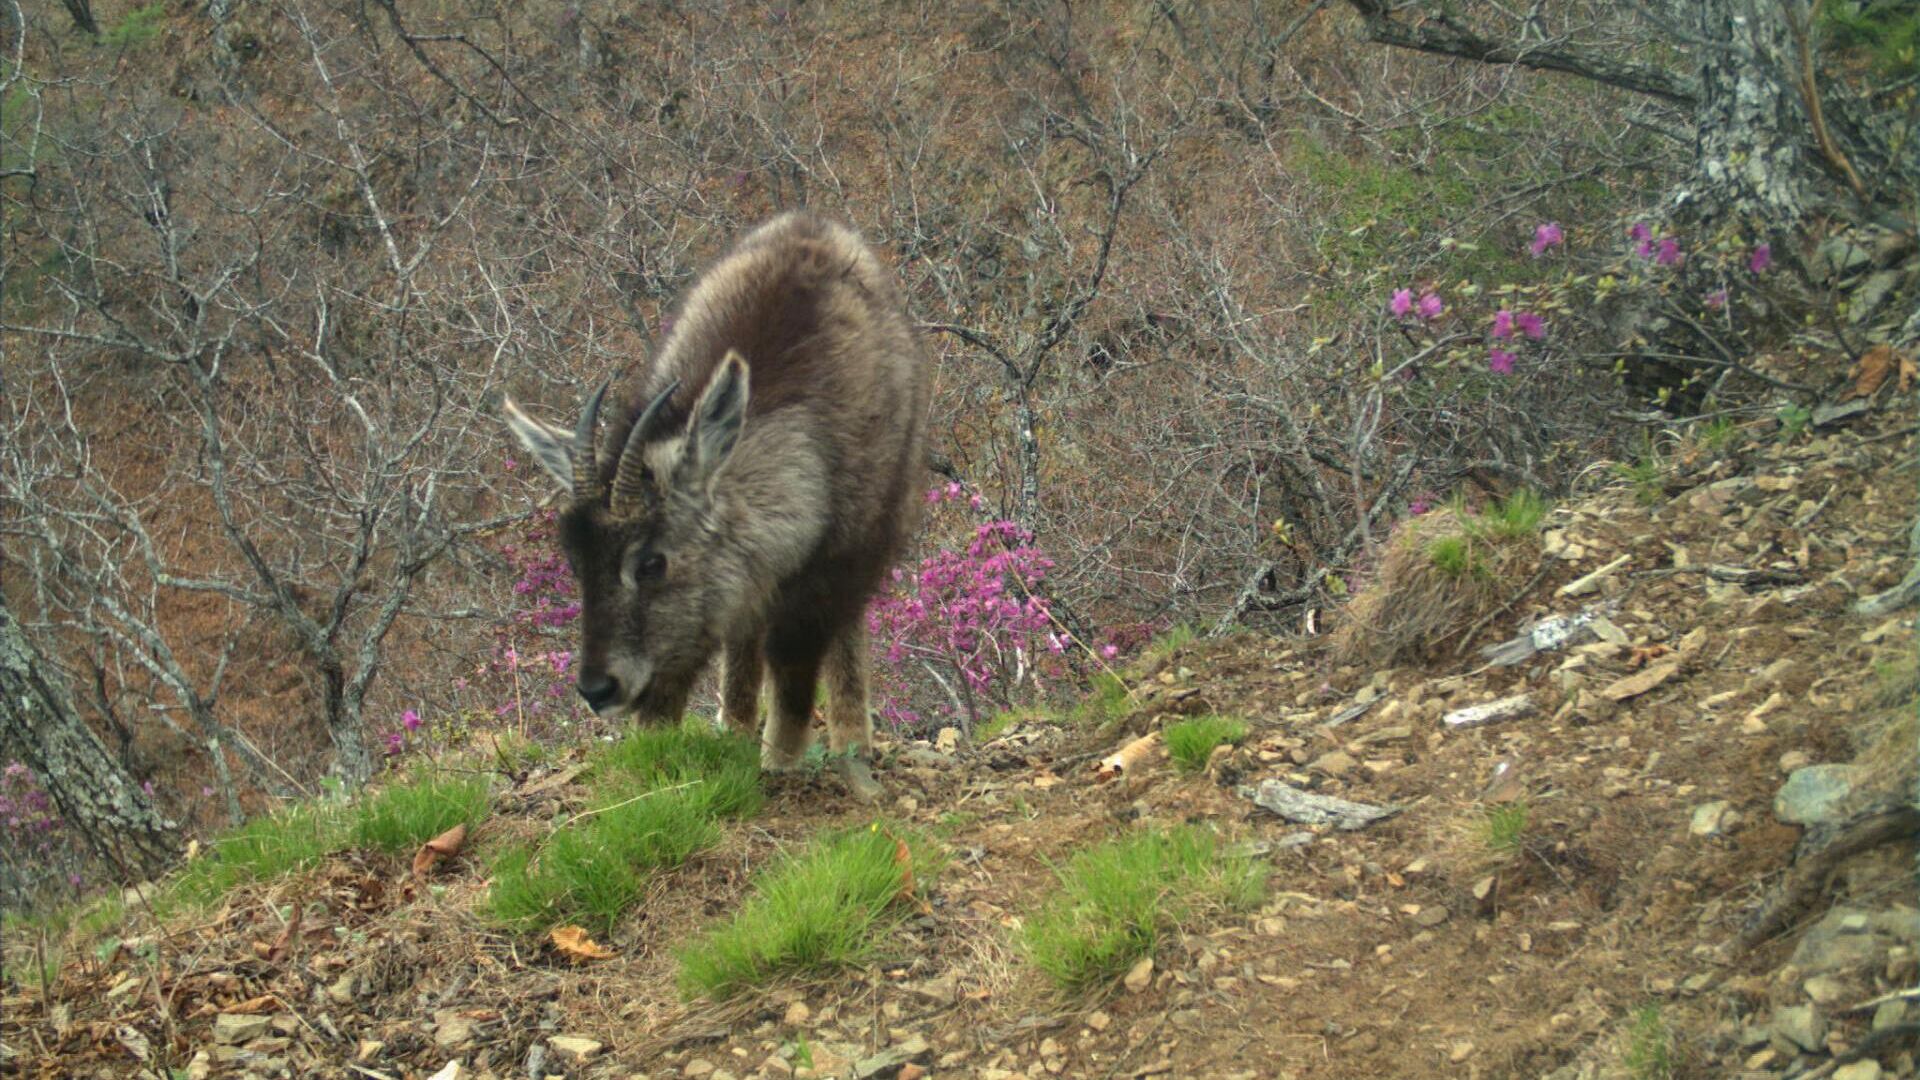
(650, 566)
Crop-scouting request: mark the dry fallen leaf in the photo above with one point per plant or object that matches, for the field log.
(1645, 653)
(1128, 758)
(444, 846)
(279, 947)
(259, 1006)
(1871, 370)
(574, 944)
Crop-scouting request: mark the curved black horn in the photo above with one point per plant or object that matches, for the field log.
(586, 470)
(629, 477)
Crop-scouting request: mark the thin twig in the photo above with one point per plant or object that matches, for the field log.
(1467, 638)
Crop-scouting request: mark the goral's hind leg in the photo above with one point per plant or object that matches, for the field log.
(741, 671)
(849, 725)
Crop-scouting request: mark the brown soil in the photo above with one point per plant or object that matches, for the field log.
(1408, 948)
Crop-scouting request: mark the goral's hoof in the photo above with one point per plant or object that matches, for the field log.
(858, 776)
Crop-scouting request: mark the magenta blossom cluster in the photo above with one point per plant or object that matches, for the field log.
(1664, 251)
(1428, 307)
(973, 612)
(1545, 236)
(29, 823)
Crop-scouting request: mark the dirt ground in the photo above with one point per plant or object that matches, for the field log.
(1648, 767)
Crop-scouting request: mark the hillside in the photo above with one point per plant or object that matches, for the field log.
(1689, 852)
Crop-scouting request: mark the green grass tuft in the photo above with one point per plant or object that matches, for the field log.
(1168, 642)
(1453, 555)
(285, 842)
(1504, 828)
(1518, 515)
(821, 908)
(406, 814)
(660, 795)
(1189, 742)
(1117, 898)
(1650, 1045)
(1107, 701)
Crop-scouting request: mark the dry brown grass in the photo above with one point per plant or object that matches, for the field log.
(1440, 575)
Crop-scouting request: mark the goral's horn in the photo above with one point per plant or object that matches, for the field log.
(586, 470)
(629, 478)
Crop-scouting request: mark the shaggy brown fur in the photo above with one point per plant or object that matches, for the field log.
(754, 491)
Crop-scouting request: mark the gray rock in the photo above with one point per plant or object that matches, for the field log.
(1707, 818)
(232, 1029)
(888, 1062)
(1890, 1014)
(1815, 795)
(1869, 298)
(1848, 939)
(1864, 1069)
(1838, 256)
(1802, 1026)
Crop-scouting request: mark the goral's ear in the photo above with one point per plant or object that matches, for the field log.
(549, 445)
(716, 422)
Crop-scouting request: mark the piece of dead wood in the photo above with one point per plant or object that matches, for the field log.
(1129, 758)
(1803, 884)
(1308, 808)
(1507, 708)
(1869, 1043)
(1584, 585)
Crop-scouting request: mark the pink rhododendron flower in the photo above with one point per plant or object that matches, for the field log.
(1420, 505)
(1402, 303)
(1669, 254)
(1430, 306)
(410, 720)
(1109, 651)
(1531, 325)
(1644, 249)
(396, 742)
(1717, 299)
(1761, 259)
(1500, 362)
(1640, 232)
(1502, 324)
(1546, 236)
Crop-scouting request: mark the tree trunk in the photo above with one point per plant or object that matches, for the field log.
(1752, 144)
(82, 12)
(95, 796)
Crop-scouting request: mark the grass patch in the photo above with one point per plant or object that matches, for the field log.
(405, 815)
(823, 907)
(1118, 897)
(290, 840)
(1504, 828)
(1650, 1045)
(1107, 700)
(1190, 742)
(1453, 555)
(1516, 516)
(659, 797)
(1896, 682)
(1646, 473)
(1166, 643)
(1715, 435)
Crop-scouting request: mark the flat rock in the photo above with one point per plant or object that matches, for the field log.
(1139, 975)
(1802, 1026)
(889, 1062)
(1708, 818)
(574, 1048)
(1814, 795)
(1640, 682)
(1864, 1069)
(232, 1029)
(1337, 763)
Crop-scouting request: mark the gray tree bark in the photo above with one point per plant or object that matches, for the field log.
(95, 796)
(1754, 141)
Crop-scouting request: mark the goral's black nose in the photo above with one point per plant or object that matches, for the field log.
(598, 689)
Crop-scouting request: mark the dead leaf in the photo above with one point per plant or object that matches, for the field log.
(1909, 371)
(574, 944)
(444, 846)
(1128, 758)
(1871, 370)
(259, 1006)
